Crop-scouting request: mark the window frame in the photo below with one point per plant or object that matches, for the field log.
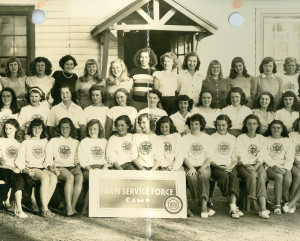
(260, 15)
(9, 10)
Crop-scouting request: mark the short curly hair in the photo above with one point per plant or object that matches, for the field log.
(48, 65)
(170, 55)
(67, 120)
(225, 118)
(289, 60)
(236, 90)
(104, 93)
(37, 122)
(123, 90)
(196, 117)
(152, 57)
(66, 58)
(213, 99)
(267, 60)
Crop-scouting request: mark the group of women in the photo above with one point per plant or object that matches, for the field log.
(225, 129)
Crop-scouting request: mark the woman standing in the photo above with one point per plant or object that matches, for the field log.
(216, 84)
(239, 77)
(15, 79)
(66, 76)
(166, 81)
(91, 76)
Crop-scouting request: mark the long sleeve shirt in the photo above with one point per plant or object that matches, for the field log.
(62, 152)
(9, 149)
(250, 150)
(121, 149)
(224, 149)
(172, 151)
(150, 149)
(282, 152)
(197, 148)
(295, 138)
(32, 154)
(92, 151)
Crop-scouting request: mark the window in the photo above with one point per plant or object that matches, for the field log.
(181, 45)
(279, 36)
(16, 35)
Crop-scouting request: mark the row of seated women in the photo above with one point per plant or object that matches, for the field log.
(144, 78)
(221, 156)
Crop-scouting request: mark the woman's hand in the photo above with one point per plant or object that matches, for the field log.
(16, 170)
(30, 172)
(191, 172)
(202, 171)
(276, 169)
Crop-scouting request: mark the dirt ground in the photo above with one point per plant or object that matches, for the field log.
(218, 227)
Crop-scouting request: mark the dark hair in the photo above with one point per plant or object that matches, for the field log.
(214, 62)
(233, 73)
(66, 58)
(15, 123)
(249, 117)
(236, 90)
(37, 90)
(105, 95)
(186, 58)
(284, 132)
(271, 106)
(156, 92)
(124, 91)
(14, 104)
(37, 122)
(152, 57)
(48, 65)
(196, 117)
(93, 122)
(225, 118)
(67, 120)
(185, 98)
(213, 99)
(163, 120)
(172, 56)
(20, 72)
(127, 121)
(267, 60)
(296, 125)
(287, 94)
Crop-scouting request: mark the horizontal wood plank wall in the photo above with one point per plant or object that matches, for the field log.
(67, 30)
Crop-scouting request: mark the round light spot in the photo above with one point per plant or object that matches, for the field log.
(236, 19)
(38, 16)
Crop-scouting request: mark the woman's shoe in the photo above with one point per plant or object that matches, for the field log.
(277, 209)
(21, 215)
(234, 214)
(264, 214)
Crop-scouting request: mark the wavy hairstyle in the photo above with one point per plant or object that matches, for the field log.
(271, 107)
(213, 99)
(267, 60)
(15, 123)
(96, 76)
(48, 65)
(128, 99)
(104, 94)
(36, 90)
(186, 58)
(284, 132)
(152, 57)
(185, 98)
(37, 122)
(233, 73)
(163, 120)
(172, 56)
(67, 120)
(243, 101)
(10, 60)
(66, 58)
(95, 122)
(127, 120)
(225, 118)
(14, 104)
(288, 60)
(251, 117)
(196, 117)
(111, 80)
(287, 94)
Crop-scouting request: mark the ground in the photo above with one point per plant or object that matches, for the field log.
(218, 227)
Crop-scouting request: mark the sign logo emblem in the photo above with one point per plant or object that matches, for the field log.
(276, 149)
(196, 148)
(11, 152)
(253, 150)
(224, 148)
(127, 147)
(97, 152)
(64, 151)
(38, 151)
(145, 147)
(173, 204)
(168, 147)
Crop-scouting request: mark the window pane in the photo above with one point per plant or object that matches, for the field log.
(188, 43)
(20, 25)
(180, 45)
(20, 46)
(6, 25)
(6, 46)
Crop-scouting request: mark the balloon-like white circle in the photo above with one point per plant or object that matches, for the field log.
(236, 19)
(38, 16)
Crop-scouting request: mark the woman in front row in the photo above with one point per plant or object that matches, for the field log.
(251, 151)
(223, 166)
(61, 159)
(198, 152)
(282, 153)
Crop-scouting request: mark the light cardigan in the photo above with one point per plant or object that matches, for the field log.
(62, 152)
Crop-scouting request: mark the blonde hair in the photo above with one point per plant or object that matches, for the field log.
(123, 77)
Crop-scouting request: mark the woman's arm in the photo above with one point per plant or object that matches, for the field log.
(156, 83)
(108, 127)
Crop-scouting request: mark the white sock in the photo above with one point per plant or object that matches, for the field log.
(232, 206)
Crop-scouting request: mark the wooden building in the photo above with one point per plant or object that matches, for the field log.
(163, 25)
